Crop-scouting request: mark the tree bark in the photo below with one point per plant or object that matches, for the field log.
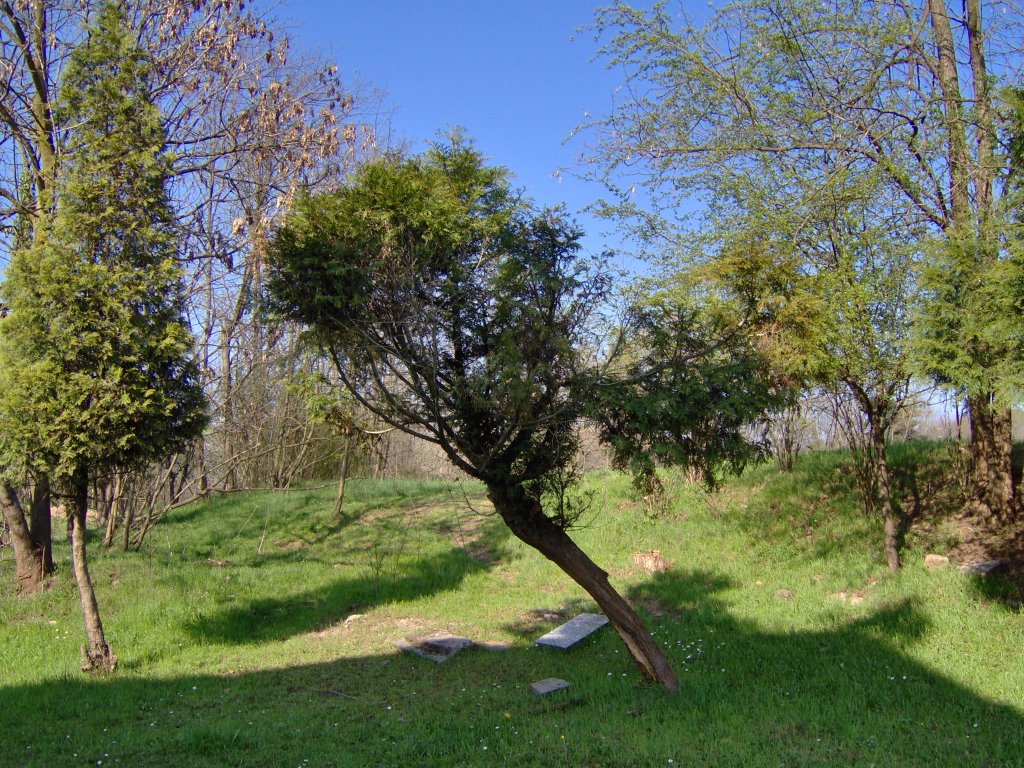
(956, 132)
(991, 450)
(115, 504)
(343, 480)
(883, 491)
(528, 522)
(227, 406)
(991, 439)
(40, 523)
(97, 656)
(28, 559)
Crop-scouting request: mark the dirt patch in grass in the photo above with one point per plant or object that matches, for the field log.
(984, 540)
(371, 516)
(372, 633)
(536, 621)
(468, 533)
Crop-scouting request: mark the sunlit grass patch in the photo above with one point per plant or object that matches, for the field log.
(256, 629)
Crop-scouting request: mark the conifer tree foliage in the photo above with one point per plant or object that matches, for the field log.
(457, 312)
(95, 363)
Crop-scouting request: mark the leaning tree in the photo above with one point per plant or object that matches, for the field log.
(462, 315)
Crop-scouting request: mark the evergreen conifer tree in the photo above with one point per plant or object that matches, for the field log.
(95, 366)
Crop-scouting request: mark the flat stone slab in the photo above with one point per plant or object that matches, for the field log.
(574, 630)
(548, 685)
(438, 647)
(983, 568)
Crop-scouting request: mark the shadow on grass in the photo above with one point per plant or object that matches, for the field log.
(817, 507)
(533, 623)
(270, 619)
(847, 696)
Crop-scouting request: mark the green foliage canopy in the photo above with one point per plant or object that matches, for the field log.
(461, 314)
(95, 364)
(452, 308)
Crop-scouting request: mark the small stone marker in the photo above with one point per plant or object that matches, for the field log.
(983, 568)
(548, 685)
(438, 647)
(652, 562)
(934, 562)
(574, 630)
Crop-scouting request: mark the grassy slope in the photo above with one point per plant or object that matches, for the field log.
(235, 650)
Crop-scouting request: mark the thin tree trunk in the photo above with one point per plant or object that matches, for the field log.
(97, 656)
(204, 476)
(115, 509)
(227, 438)
(28, 560)
(40, 523)
(956, 132)
(528, 522)
(129, 521)
(344, 479)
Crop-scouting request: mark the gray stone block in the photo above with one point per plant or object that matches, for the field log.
(548, 685)
(574, 630)
(983, 568)
(438, 647)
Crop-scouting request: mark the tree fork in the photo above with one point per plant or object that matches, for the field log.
(530, 525)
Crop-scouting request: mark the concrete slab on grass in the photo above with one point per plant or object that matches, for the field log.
(983, 568)
(438, 647)
(548, 685)
(574, 630)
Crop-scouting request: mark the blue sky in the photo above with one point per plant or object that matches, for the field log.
(515, 73)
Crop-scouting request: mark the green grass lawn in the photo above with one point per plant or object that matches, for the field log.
(254, 630)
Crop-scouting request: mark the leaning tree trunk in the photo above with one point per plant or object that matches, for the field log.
(527, 521)
(28, 559)
(991, 448)
(97, 656)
